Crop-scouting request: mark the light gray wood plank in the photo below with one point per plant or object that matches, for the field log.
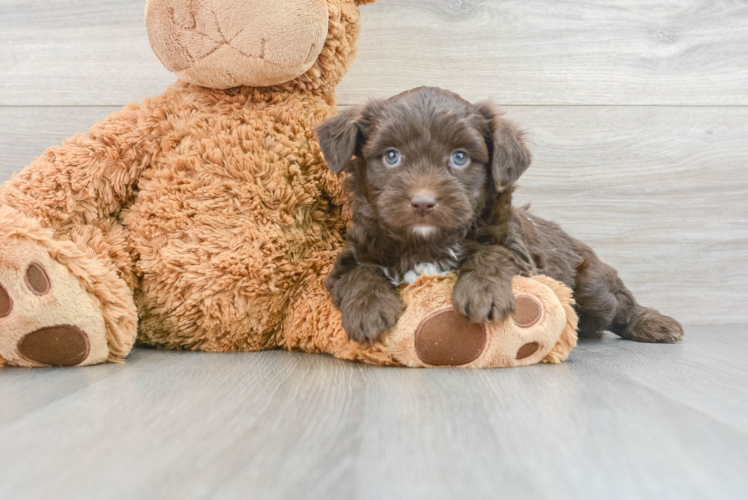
(577, 431)
(77, 52)
(283, 425)
(23, 391)
(556, 52)
(704, 372)
(661, 193)
(520, 51)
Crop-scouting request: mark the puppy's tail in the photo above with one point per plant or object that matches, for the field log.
(605, 303)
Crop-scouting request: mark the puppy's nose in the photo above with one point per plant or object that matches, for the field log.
(423, 203)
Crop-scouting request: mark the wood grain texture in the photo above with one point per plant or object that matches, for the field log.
(620, 420)
(556, 52)
(693, 52)
(76, 52)
(661, 193)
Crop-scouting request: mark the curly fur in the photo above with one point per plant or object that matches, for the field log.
(100, 282)
(211, 207)
(473, 229)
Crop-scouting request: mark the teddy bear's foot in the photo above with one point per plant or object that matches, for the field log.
(46, 316)
(61, 303)
(431, 333)
(447, 338)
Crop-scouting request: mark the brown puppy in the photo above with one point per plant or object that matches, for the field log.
(432, 178)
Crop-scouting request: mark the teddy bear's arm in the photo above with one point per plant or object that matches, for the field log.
(89, 177)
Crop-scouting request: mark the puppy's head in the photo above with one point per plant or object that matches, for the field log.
(425, 162)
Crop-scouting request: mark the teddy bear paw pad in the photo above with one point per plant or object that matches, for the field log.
(527, 312)
(62, 345)
(527, 350)
(446, 338)
(46, 316)
(431, 333)
(6, 303)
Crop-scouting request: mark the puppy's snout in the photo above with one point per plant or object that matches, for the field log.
(423, 203)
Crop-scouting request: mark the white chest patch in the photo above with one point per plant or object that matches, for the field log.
(427, 269)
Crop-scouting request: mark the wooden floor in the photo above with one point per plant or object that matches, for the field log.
(637, 115)
(620, 420)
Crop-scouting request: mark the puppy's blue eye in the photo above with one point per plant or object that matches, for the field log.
(393, 158)
(459, 159)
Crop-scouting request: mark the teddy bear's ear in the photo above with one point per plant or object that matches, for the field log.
(364, 2)
(343, 136)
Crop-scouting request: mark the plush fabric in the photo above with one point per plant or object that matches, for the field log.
(83, 293)
(227, 44)
(554, 331)
(206, 218)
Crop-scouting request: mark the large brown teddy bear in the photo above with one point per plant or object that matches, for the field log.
(206, 219)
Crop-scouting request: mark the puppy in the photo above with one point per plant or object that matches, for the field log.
(432, 177)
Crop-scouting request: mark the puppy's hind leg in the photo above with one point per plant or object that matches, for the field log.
(605, 303)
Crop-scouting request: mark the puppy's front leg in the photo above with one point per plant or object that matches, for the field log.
(483, 292)
(368, 301)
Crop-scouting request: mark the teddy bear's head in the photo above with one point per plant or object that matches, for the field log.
(256, 43)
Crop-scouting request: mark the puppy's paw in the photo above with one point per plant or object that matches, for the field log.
(651, 326)
(368, 318)
(483, 299)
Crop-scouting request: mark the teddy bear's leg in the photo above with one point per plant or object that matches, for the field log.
(64, 263)
(59, 304)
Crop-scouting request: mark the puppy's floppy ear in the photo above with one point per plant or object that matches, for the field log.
(344, 135)
(509, 155)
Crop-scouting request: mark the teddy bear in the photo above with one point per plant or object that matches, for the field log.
(206, 219)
